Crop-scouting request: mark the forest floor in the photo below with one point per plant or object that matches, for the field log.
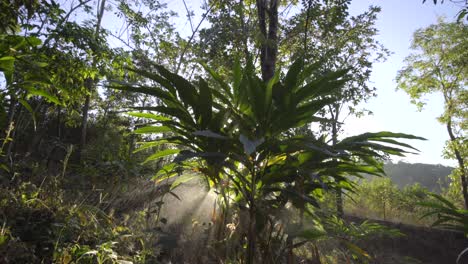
(419, 244)
(185, 227)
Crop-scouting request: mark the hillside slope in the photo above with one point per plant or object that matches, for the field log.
(431, 176)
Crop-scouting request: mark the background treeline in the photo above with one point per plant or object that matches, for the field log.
(430, 176)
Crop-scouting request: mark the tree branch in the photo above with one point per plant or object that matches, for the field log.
(191, 37)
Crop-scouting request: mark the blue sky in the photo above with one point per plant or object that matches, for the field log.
(392, 109)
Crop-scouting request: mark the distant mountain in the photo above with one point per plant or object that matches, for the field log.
(430, 176)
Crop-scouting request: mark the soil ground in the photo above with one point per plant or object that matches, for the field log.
(419, 245)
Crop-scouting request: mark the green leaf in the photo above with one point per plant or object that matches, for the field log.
(147, 145)
(221, 97)
(392, 141)
(152, 129)
(149, 115)
(357, 250)
(34, 41)
(7, 58)
(157, 78)
(161, 154)
(175, 112)
(29, 108)
(40, 64)
(291, 78)
(4, 167)
(377, 135)
(187, 92)
(165, 170)
(217, 78)
(155, 91)
(326, 85)
(269, 90)
(7, 66)
(205, 103)
(237, 72)
(256, 91)
(183, 179)
(312, 234)
(44, 94)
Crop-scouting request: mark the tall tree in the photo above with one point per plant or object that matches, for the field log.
(231, 34)
(243, 29)
(148, 35)
(439, 65)
(90, 82)
(267, 11)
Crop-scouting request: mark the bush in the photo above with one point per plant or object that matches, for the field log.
(380, 198)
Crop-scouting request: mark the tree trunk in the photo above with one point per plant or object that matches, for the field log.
(448, 97)
(290, 255)
(339, 203)
(461, 162)
(269, 41)
(339, 193)
(59, 122)
(11, 119)
(252, 236)
(244, 32)
(84, 120)
(252, 233)
(89, 84)
(268, 54)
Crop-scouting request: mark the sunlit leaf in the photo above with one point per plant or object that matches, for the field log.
(152, 129)
(149, 115)
(161, 154)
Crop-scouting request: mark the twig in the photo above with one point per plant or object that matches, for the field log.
(122, 40)
(191, 37)
(188, 15)
(65, 19)
(306, 27)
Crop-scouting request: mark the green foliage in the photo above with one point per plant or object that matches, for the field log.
(461, 14)
(433, 177)
(344, 238)
(352, 233)
(448, 215)
(12, 12)
(23, 78)
(438, 65)
(239, 133)
(47, 224)
(151, 36)
(378, 195)
(325, 31)
(453, 192)
(382, 198)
